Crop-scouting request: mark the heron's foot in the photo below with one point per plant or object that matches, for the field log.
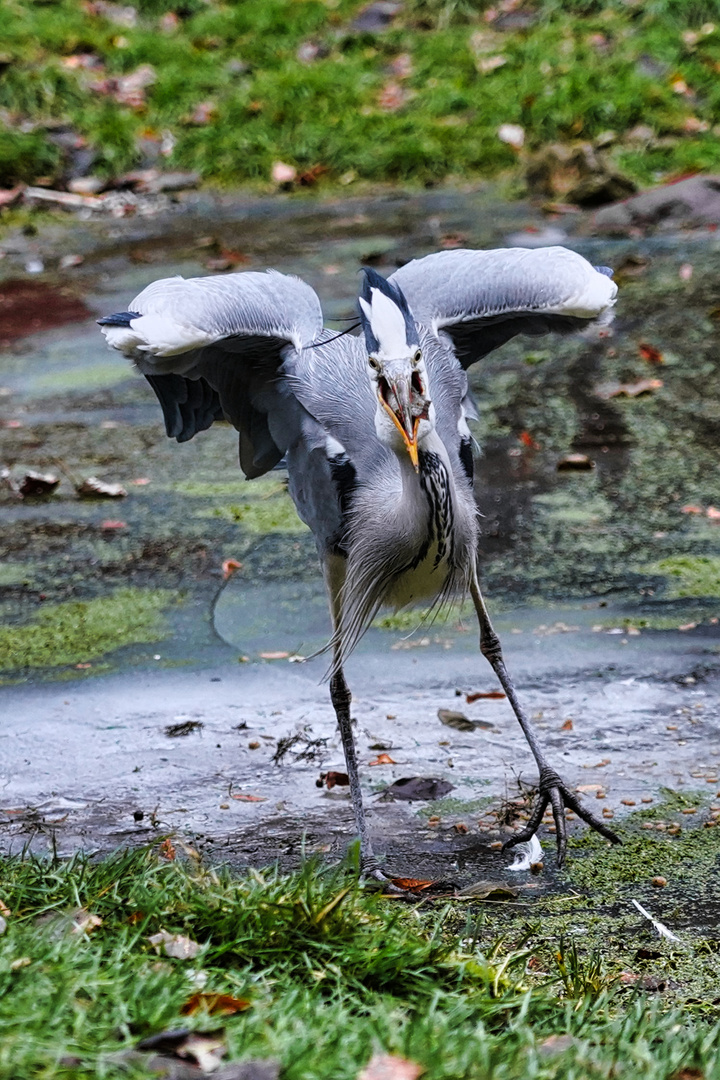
(555, 792)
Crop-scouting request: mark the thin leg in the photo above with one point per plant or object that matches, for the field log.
(341, 699)
(553, 790)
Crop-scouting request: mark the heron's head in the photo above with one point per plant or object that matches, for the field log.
(396, 366)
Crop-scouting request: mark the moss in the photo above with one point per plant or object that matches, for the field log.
(274, 516)
(80, 631)
(690, 575)
(421, 618)
(16, 574)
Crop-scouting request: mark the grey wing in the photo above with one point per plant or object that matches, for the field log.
(213, 348)
(481, 299)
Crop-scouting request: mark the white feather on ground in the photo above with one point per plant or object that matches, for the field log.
(526, 855)
(660, 927)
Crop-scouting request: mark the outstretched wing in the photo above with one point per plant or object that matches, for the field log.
(481, 299)
(212, 349)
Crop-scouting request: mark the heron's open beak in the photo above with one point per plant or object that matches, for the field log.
(402, 417)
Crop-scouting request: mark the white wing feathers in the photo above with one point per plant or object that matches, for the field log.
(176, 316)
(461, 286)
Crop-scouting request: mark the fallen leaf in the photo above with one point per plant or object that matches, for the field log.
(650, 353)
(575, 463)
(179, 946)
(460, 827)
(389, 1067)
(249, 798)
(274, 655)
(84, 922)
(229, 567)
(585, 788)
(202, 114)
(92, 488)
(659, 882)
(687, 626)
(185, 727)
(456, 720)
(283, 174)
(419, 787)
(482, 695)
(609, 390)
(556, 1044)
(4, 909)
(310, 176)
(392, 97)
(34, 484)
(215, 1004)
(382, 759)
(167, 849)
(413, 885)
(402, 66)
(690, 509)
(489, 890)
(141, 481)
(204, 1049)
(527, 440)
(713, 513)
(336, 779)
(567, 726)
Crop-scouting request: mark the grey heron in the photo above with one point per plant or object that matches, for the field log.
(373, 428)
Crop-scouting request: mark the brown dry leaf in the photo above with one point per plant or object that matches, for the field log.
(310, 176)
(690, 509)
(585, 788)
(567, 726)
(229, 567)
(484, 695)
(392, 97)
(650, 353)
(216, 1004)
(412, 885)
(167, 849)
(84, 922)
(687, 626)
(4, 909)
(92, 488)
(178, 946)
(333, 779)
(274, 655)
(609, 390)
(34, 484)
(382, 759)
(389, 1067)
(249, 798)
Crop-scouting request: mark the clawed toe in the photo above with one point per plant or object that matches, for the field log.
(554, 792)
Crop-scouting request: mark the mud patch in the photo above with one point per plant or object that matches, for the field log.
(27, 307)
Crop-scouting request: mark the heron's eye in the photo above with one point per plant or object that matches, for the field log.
(417, 357)
(374, 364)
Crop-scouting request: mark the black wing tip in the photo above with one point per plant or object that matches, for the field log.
(120, 318)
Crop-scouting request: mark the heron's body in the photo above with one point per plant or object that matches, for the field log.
(373, 428)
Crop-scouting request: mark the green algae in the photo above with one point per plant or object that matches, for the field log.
(80, 631)
(16, 574)
(690, 575)
(274, 516)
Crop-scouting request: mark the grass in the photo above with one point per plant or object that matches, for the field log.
(689, 575)
(332, 974)
(80, 631)
(281, 80)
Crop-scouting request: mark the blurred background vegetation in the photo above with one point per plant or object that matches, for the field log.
(341, 91)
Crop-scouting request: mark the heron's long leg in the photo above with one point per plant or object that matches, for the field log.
(553, 790)
(341, 699)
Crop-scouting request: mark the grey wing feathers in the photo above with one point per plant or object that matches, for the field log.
(212, 348)
(481, 299)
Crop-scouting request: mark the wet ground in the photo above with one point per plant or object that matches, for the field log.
(605, 581)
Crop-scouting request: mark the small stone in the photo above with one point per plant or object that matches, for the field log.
(253, 746)
(646, 799)
(689, 810)
(658, 882)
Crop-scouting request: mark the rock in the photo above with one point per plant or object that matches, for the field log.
(686, 204)
(375, 16)
(576, 173)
